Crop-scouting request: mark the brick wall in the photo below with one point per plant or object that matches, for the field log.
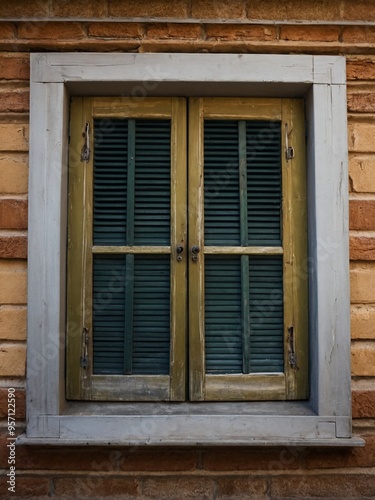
(336, 27)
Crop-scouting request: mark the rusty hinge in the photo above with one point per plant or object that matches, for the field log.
(289, 150)
(292, 352)
(84, 362)
(85, 151)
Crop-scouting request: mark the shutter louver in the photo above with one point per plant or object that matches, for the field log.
(266, 314)
(221, 183)
(223, 335)
(263, 151)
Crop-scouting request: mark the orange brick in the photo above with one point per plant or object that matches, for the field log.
(86, 486)
(7, 30)
(168, 487)
(361, 102)
(362, 322)
(14, 67)
(362, 247)
(183, 31)
(19, 403)
(144, 8)
(24, 8)
(79, 8)
(116, 30)
(232, 459)
(239, 32)
(310, 33)
(242, 487)
(363, 404)
(218, 9)
(14, 137)
(12, 360)
(358, 34)
(13, 247)
(328, 10)
(360, 68)
(330, 459)
(35, 487)
(13, 173)
(14, 102)
(361, 136)
(13, 282)
(360, 10)
(323, 486)
(13, 322)
(362, 283)
(55, 31)
(13, 214)
(362, 214)
(363, 359)
(362, 173)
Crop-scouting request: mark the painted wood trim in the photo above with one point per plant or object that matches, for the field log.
(243, 250)
(178, 352)
(265, 387)
(98, 249)
(130, 388)
(196, 238)
(227, 108)
(190, 68)
(132, 107)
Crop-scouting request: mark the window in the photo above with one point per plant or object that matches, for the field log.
(225, 307)
(324, 418)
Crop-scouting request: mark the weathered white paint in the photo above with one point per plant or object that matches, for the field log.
(50, 419)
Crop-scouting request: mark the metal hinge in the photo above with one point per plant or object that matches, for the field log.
(85, 151)
(292, 352)
(289, 150)
(84, 361)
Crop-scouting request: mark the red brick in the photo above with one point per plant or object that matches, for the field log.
(363, 102)
(218, 9)
(361, 69)
(241, 487)
(13, 214)
(79, 8)
(14, 102)
(13, 247)
(144, 8)
(20, 404)
(102, 460)
(175, 487)
(55, 31)
(323, 486)
(116, 30)
(355, 457)
(363, 404)
(27, 486)
(293, 9)
(7, 30)
(360, 10)
(14, 67)
(358, 34)
(362, 248)
(91, 486)
(362, 214)
(231, 459)
(182, 31)
(239, 32)
(310, 33)
(24, 8)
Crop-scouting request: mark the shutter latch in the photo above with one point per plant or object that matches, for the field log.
(84, 362)
(292, 352)
(85, 152)
(289, 150)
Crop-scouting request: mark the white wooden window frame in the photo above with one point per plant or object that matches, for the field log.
(324, 420)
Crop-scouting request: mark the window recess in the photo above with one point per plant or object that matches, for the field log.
(186, 257)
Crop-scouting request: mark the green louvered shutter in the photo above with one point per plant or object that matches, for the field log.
(244, 321)
(131, 206)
